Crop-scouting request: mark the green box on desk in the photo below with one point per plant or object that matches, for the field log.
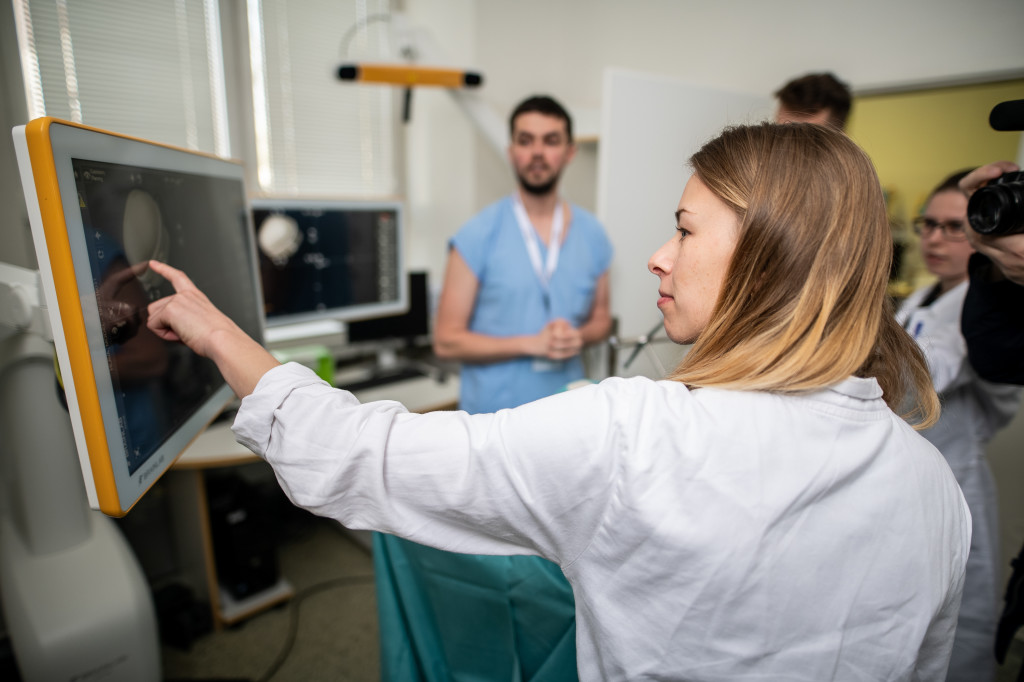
(317, 357)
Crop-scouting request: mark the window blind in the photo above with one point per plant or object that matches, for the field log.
(148, 69)
(316, 135)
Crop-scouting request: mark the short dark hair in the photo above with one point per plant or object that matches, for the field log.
(542, 104)
(952, 183)
(814, 92)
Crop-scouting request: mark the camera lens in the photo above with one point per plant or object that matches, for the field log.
(997, 209)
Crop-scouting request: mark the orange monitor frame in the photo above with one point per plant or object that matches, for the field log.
(131, 425)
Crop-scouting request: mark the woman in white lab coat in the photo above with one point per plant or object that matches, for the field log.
(762, 514)
(972, 411)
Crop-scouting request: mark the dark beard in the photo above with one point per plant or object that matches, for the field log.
(538, 190)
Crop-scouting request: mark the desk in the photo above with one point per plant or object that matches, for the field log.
(216, 447)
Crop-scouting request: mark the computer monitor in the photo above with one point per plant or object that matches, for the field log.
(329, 260)
(100, 206)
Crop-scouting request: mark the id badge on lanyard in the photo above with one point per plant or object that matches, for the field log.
(544, 270)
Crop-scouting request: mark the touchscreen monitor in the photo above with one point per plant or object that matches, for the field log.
(101, 205)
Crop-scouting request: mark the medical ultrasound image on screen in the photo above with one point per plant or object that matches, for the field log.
(315, 260)
(131, 215)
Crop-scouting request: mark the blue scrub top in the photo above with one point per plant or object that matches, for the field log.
(511, 301)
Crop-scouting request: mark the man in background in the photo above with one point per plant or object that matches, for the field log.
(526, 285)
(815, 98)
(525, 289)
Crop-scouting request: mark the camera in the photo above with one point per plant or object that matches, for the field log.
(998, 207)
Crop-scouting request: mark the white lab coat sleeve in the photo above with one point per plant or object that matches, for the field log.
(533, 480)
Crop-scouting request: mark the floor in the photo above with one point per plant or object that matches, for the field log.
(328, 631)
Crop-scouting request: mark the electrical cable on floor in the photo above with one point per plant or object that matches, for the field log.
(293, 616)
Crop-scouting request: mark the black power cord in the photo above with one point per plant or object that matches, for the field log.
(293, 616)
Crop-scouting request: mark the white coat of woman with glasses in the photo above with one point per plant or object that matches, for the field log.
(972, 411)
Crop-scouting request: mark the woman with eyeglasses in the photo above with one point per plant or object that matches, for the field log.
(972, 411)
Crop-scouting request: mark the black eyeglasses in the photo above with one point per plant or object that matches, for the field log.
(953, 230)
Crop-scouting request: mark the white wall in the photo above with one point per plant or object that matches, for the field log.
(743, 45)
(440, 141)
(563, 46)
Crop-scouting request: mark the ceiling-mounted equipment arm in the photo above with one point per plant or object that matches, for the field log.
(410, 75)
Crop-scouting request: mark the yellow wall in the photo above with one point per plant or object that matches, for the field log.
(916, 139)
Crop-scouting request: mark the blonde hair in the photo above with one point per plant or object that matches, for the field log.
(803, 305)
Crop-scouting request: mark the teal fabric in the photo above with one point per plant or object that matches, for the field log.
(468, 618)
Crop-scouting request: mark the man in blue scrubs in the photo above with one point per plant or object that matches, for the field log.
(526, 288)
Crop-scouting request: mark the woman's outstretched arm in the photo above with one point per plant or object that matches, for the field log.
(189, 316)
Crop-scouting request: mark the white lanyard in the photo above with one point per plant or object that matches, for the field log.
(545, 271)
